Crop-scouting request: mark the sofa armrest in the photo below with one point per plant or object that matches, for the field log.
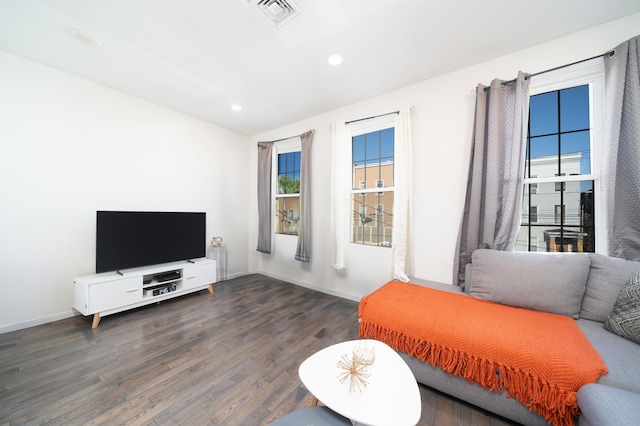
(603, 405)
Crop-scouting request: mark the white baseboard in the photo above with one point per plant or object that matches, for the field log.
(313, 287)
(37, 321)
(64, 315)
(235, 275)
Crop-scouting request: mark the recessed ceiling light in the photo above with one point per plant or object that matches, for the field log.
(85, 38)
(236, 107)
(335, 59)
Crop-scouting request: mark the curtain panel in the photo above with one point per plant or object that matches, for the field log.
(265, 161)
(340, 194)
(493, 203)
(403, 195)
(621, 151)
(303, 250)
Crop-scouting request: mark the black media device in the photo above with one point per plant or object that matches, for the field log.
(132, 239)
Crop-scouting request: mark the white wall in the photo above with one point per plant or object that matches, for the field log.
(442, 118)
(70, 147)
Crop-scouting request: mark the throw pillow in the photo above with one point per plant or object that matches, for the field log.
(625, 318)
(548, 282)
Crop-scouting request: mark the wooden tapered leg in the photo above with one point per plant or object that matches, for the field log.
(96, 320)
(211, 288)
(314, 401)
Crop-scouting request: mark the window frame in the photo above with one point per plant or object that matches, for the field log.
(361, 128)
(286, 146)
(589, 73)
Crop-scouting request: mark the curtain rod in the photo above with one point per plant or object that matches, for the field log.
(610, 53)
(290, 137)
(375, 116)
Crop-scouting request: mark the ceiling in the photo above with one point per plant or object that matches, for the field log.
(201, 56)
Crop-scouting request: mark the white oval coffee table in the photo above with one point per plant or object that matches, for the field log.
(391, 398)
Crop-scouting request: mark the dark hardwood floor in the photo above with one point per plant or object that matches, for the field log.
(230, 358)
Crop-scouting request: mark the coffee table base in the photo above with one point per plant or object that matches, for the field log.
(316, 416)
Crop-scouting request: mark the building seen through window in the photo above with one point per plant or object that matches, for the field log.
(372, 190)
(287, 205)
(558, 205)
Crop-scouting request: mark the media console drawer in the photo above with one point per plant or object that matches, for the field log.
(198, 274)
(111, 294)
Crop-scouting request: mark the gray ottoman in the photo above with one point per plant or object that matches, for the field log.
(312, 416)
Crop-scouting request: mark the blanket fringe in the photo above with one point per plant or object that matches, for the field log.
(558, 406)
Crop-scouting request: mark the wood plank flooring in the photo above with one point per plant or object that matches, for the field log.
(230, 358)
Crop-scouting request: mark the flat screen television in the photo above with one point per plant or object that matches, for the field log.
(132, 239)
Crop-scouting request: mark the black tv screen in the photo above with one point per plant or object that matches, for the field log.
(131, 239)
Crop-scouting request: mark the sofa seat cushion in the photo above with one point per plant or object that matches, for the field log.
(607, 276)
(548, 282)
(621, 356)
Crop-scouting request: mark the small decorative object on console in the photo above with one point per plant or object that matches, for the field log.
(216, 241)
(355, 371)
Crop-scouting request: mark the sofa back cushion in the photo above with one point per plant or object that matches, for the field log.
(606, 278)
(549, 282)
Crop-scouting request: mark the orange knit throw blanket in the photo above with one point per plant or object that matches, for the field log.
(541, 359)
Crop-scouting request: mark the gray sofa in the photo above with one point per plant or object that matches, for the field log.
(582, 286)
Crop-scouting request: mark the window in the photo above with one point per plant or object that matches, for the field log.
(287, 203)
(561, 179)
(372, 189)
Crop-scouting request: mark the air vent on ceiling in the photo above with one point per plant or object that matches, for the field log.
(278, 12)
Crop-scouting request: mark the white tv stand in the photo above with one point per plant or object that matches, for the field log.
(111, 292)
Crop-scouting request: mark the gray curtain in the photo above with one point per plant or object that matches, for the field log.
(621, 156)
(303, 251)
(264, 196)
(493, 204)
